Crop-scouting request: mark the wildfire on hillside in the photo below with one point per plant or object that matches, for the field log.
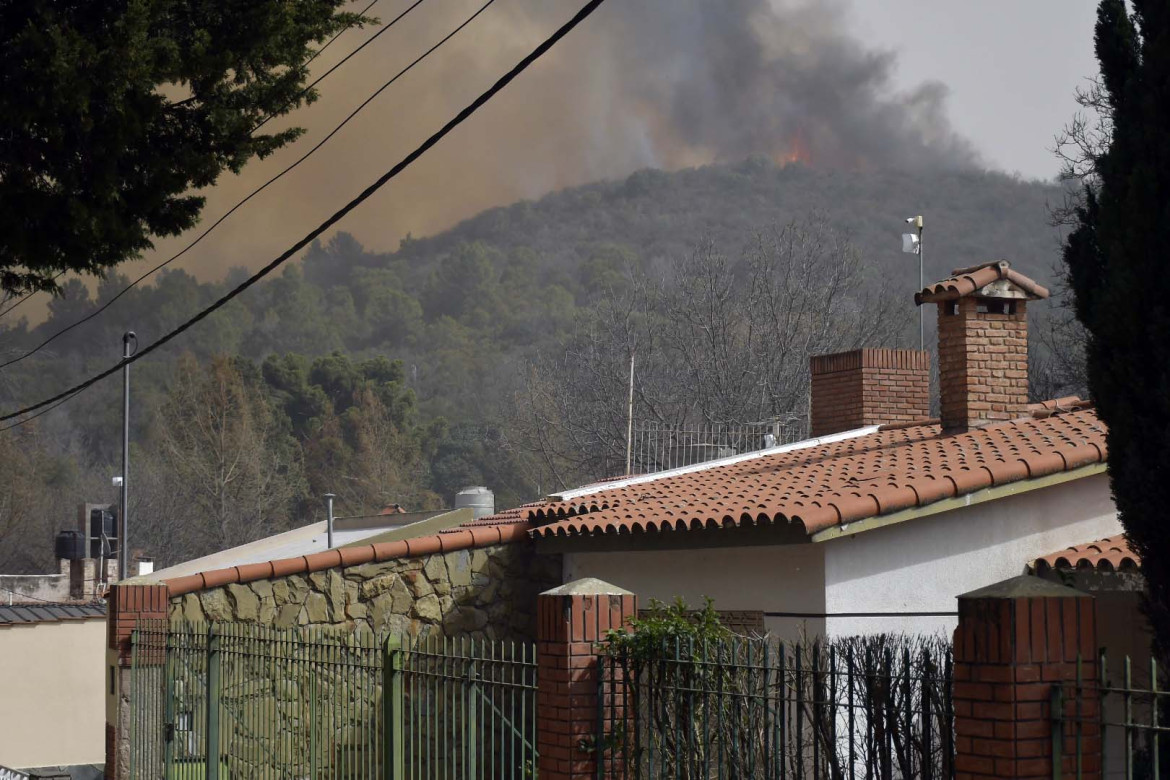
(797, 151)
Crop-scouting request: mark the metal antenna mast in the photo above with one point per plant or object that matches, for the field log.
(129, 347)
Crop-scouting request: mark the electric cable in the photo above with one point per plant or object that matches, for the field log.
(325, 45)
(32, 417)
(250, 195)
(336, 217)
(291, 102)
(342, 61)
(22, 298)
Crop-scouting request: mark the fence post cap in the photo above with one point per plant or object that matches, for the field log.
(587, 586)
(1025, 586)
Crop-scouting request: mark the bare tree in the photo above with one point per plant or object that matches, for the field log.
(1057, 362)
(715, 341)
(223, 472)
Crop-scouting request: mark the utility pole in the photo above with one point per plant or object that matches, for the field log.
(921, 285)
(630, 420)
(329, 520)
(129, 347)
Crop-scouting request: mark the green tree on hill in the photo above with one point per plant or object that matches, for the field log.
(1116, 260)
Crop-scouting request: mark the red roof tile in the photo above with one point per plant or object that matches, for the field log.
(1109, 554)
(467, 537)
(826, 485)
(967, 281)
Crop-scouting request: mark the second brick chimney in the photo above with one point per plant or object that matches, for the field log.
(868, 387)
(982, 344)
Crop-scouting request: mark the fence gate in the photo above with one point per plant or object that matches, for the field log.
(468, 710)
(238, 701)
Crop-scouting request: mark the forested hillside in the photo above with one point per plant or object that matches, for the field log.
(402, 376)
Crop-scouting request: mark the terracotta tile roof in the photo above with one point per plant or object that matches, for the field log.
(465, 537)
(893, 468)
(506, 517)
(966, 281)
(1109, 554)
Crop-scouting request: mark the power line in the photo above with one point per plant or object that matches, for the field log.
(21, 299)
(250, 195)
(325, 45)
(343, 60)
(30, 418)
(336, 217)
(264, 121)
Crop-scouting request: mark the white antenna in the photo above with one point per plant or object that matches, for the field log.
(912, 245)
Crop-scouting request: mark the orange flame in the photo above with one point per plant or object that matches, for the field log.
(797, 152)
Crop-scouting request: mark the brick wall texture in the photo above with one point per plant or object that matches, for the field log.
(1009, 653)
(982, 364)
(569, 628)
(868, 387)
(126, 605)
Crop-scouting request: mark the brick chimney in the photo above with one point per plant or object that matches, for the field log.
(982, 344)
(868, 387)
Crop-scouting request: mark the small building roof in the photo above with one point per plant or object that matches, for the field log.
(1110, 554)
(994, 280)
(306, 540)
(25, 614)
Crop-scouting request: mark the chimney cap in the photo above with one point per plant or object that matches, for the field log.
(988, 280)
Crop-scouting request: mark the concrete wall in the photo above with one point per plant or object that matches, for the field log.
(773, 579)
(52, 695)
(920, 565)
(487, 593)
(923, 564)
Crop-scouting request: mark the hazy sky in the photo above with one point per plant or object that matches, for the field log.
(667, 83)
(1011, 66)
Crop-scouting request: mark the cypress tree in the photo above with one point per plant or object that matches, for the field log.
(1117, 262)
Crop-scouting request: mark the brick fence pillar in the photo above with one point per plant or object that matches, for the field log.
(571, 620)
(1016, 641)
(125, 606)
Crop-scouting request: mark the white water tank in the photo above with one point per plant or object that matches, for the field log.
(481, 500)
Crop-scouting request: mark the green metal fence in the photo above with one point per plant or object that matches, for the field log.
(237, 701)
(871, 707)
(1120, 709)
(469, 710)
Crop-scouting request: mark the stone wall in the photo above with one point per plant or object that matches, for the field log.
(487, 593)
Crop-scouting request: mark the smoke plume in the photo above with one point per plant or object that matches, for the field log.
(663, 83)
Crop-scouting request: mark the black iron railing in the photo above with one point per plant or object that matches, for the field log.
(873, 707)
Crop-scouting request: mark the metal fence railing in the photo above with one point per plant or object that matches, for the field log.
(1120, 707)
(660, 446)
(872, 707)
(469, 710)
(222, 701)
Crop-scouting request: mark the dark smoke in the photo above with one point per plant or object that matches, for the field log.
(664, 83)
(740, 77)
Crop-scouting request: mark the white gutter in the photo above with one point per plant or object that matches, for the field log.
(601, 487)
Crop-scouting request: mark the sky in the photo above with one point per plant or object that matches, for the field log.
(654, 83)
(1011, 66)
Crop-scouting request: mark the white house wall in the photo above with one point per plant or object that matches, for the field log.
(52, 696)
(921, 565)
(766, 578)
